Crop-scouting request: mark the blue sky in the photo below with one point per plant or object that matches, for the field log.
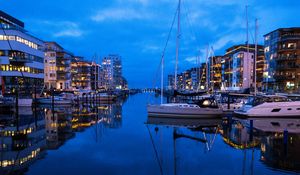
(137, 29)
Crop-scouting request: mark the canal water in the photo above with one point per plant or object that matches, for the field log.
(119, 138)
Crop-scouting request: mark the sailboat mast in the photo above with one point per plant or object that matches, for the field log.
(247, 36)
(177, 45)
(212, 69)
(206, 68)
(162, 81)
(255, 57)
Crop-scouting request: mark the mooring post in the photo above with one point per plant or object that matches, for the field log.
(35, 104)
(52, 95)
(228, 102)
(285, 140)
(251, 130)
(86, 98)
(17, 103)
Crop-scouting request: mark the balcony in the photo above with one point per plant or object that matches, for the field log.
(284, 77)
(287, 58)
(63, 77)
(287, 67)
(15, 59)
(288, 49)
(290, 37)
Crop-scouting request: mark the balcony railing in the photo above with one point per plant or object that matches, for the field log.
(290, 37)
(15, 59)
(288, 48)
(284, 77)
(287, 58)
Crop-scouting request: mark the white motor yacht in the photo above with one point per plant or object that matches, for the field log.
(269, 106)
(205, 108)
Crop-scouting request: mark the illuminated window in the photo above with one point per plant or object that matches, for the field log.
(267, 38)
(267, 49)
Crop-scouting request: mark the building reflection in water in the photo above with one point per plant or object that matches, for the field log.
(26, 137)
(23, 139)
(274, 142)
(280, 143)
(58, 126)
(278, 140)
(238, 134)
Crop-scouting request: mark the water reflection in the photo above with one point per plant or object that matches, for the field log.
(275, 141)
(203, 132)
(26, 137)
(108, 138)
(23, 139)
(280, 142)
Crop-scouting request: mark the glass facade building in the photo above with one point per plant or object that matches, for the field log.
(282, 50)
(21, 58)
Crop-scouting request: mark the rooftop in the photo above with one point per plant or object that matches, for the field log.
(11, 20)
(291, 29)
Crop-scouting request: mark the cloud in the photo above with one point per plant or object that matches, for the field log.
(151, 48)
(119, 14)
(142, 2)
(237, 38)
(60, 28)
(192, 59)
(69, 29)
(69, 32)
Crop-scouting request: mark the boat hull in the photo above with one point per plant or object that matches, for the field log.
(272, 110)
(177, 112)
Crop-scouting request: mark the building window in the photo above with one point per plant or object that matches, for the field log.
(267, 49)
(267, 37)
(292, 45)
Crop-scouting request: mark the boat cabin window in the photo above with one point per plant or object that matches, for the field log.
(289, 109)
(254, 101)
(207, 103)
(276, 110)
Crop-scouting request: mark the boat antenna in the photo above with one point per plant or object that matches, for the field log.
(177, 44)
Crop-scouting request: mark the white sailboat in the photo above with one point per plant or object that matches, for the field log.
(205, 108)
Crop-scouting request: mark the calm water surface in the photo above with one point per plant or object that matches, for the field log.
(119, 138)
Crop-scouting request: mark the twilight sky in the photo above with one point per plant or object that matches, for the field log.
(137, 29)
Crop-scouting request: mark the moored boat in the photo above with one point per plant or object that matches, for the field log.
(269, 106)
(205, 108)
